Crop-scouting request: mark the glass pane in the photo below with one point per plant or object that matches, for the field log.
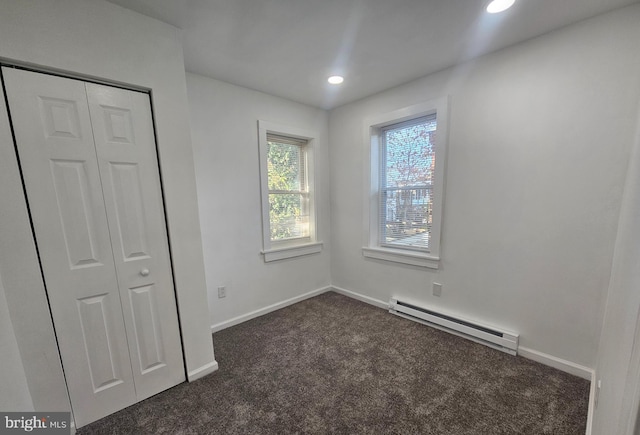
(407, 216)
(284, 166)
(288, 216)
(409, 155)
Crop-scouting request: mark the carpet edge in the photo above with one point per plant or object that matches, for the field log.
(268, 309)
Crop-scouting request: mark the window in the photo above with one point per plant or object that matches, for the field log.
(288, 209)
(406, 183)
(404, 197)
(288, 193)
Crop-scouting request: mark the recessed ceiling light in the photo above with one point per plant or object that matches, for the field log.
(499, 5)
(335, 80)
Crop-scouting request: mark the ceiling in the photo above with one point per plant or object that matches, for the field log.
(288, 48)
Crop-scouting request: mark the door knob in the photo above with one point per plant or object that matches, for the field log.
(144, 272)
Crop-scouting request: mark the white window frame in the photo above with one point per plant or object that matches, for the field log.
(372, 139)
(274, 250)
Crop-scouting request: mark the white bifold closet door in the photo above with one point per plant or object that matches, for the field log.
(90, 170)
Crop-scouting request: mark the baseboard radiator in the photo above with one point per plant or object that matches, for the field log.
(487, 335)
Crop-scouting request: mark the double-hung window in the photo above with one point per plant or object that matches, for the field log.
(404, 197)
(288, 188)
(288, 206)
(407, 166)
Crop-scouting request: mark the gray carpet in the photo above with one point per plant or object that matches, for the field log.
(331, 364)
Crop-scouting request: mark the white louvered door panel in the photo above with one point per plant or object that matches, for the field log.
(125, 143)
(52, 127)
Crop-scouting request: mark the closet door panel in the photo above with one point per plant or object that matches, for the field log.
(51, 121)
(125, 145)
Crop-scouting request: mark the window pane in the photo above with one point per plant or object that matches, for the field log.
(288, 216)
(407, 217)
(409, 155)
(407, 176)
(285, 168)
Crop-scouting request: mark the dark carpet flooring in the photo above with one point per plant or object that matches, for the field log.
(331, 364)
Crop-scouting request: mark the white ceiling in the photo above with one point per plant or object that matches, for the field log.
(289, 47)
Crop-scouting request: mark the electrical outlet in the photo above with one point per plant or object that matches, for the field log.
(222, 292)
(437, 289)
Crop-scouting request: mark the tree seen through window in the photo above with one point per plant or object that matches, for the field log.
(407, 176)
(288, 191)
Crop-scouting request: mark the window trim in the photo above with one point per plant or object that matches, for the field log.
(289, 248)
(373, 126)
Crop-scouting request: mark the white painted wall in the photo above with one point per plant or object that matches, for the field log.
(618, 365)
(96, 39)
(13, 382)
(224, 120)
(540, 136)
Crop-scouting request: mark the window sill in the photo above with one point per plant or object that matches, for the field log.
(404, 257)
(292, 251)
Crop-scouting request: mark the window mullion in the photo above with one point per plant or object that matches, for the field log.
(285, 192)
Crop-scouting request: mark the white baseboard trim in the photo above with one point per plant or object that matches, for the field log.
(202, 371)
(262, 311)
(367, 299)
(557, 363)
(592, 403)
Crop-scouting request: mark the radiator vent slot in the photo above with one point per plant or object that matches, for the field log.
(493, 337)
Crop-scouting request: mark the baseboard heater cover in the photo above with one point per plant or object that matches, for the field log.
(483, 334)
